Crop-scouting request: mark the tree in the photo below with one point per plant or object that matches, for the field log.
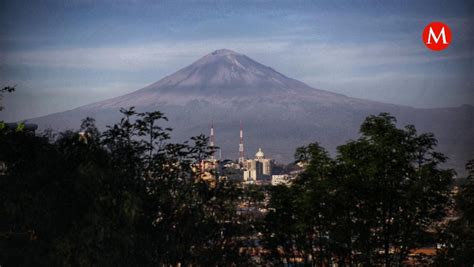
(298, 224)
(458, 237)
(398, 188)
(372, 205)
(7, 89)
(124, 197)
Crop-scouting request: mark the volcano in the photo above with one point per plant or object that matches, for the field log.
(278, 113)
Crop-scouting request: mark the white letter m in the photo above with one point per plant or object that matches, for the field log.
(436, 39)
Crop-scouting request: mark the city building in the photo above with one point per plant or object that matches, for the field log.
(257, 169)
(282, 179)
(208, 171)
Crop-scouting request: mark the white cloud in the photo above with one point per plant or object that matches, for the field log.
(132, 57)
(314, 55)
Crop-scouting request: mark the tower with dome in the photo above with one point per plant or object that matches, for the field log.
(258, 169)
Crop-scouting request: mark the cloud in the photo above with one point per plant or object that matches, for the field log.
(136, 57)
(306, 55)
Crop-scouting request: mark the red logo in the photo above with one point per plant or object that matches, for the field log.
(437, 36)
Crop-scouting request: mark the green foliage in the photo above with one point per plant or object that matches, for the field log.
(20, 127)
(300, 215)
(371, 205)
(126, 197)
(7, 89)
(458, 237)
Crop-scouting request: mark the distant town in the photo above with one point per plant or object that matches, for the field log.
(258, 170)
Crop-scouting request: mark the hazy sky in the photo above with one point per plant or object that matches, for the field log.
(63, 54)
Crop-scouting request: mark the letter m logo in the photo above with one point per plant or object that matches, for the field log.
(437, 36)
(432, 34)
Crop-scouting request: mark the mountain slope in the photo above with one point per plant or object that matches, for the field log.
(279, 113)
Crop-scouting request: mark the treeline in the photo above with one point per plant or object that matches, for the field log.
(126, 197)
(130, 197)
(384, 195)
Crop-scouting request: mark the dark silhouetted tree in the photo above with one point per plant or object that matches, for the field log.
(372, 205)
(458, 237)
(124, 197)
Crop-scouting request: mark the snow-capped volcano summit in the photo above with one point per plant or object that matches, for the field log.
(279, 113)
(224, 70)
(223, 52)
(222, 75)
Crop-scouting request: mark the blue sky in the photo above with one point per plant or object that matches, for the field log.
(63, 54)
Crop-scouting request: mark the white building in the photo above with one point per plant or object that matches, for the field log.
(257, 169)
(282, 179)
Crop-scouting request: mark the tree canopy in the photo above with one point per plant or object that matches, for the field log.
(123, 197)
(378, 199)
(130, 196)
